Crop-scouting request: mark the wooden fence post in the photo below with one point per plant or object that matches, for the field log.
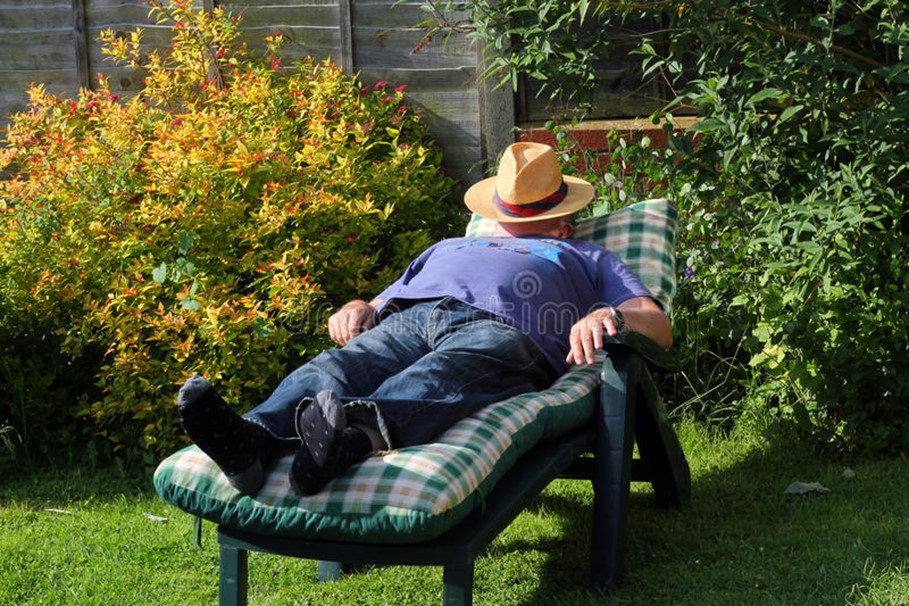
(345, 25)
(81, 44)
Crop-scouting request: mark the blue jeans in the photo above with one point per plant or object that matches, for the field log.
(424, 367)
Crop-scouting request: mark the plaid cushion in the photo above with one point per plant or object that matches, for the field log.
(405, 495)
(642, 235)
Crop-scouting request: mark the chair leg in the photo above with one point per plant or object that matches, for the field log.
(233, 581)
(612, 474)
(458, 584)
(329, 571)
(661, 452)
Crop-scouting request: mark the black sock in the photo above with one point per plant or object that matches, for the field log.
(319, 425)
(308, 477)
(239, 447)
(353, 447)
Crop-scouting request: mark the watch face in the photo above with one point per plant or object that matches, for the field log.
(620, 321)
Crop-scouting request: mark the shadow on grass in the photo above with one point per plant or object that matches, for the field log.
(742, 539)
(62, 484)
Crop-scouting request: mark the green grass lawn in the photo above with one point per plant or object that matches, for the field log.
(76, 536)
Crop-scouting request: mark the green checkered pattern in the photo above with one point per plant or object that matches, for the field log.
(417, 493)
(642, 235)
(406, 495)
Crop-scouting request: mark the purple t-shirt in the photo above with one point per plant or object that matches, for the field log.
(540, 285)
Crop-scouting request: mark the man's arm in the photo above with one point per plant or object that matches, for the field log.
(641, 314)
(353, 318)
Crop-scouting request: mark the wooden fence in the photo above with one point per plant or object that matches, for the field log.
(55, 42)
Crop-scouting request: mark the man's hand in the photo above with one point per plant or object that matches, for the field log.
(587, 335)
(641, 314)
(352, 319)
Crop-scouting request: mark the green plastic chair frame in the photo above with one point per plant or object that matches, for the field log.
(630, 410)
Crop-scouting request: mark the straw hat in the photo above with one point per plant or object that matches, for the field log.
(528, 187)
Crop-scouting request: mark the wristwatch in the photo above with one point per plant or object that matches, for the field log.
(619, 318)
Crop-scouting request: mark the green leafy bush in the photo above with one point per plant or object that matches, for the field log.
(206, 225)
(793, 301)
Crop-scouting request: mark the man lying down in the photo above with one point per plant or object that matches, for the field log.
(471, 321)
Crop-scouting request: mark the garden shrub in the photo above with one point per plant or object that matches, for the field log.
(793, 302)
(208, 224)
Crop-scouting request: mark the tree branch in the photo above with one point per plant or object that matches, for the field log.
(806, 38)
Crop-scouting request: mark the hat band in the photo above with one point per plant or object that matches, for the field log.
(531, 209)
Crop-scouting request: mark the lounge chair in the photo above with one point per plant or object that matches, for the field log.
(441, 504)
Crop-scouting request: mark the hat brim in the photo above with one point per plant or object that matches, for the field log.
(479, 199)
